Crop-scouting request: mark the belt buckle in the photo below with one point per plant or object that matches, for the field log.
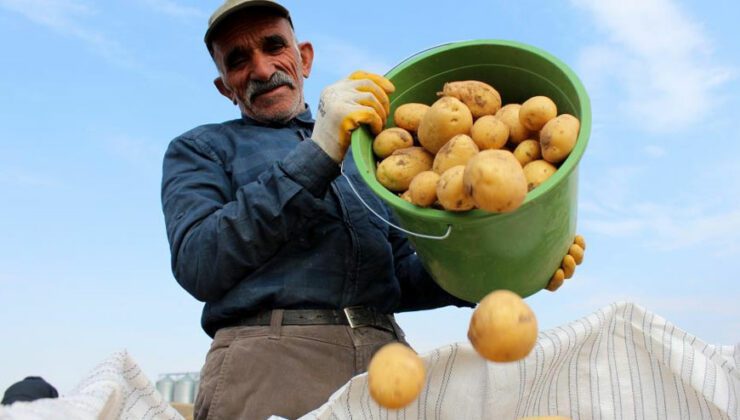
(355, 316)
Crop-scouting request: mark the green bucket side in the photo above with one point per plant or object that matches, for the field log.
(485, 251)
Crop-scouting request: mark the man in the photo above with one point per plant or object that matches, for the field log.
(299, 280)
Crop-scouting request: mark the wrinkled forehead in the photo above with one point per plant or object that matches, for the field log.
(252, 25)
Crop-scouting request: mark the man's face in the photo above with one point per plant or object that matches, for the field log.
(261, 67)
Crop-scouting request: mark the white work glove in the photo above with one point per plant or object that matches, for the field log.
(362, 98)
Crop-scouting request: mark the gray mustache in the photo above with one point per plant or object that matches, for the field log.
(258, 87)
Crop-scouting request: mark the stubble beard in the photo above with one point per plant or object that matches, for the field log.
(256, 87)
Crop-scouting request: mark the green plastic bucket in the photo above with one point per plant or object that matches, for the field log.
(483, 251)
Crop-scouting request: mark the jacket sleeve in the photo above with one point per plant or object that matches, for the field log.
(418, 288)
(219, 236)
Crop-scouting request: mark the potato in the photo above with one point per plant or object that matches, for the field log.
(395, 376)
(408, 116)
(537, 172)
(489, 132)
(503, 328)
(450, 192)
(527, 151)
(455, 152)
(558, 137)
(391, 139)
(495, 180)
(446, 118)
(481, 98)
(416, 152)
(406, 196)
(509, 114)
(423, 188)
(397, 170)
(536, 111)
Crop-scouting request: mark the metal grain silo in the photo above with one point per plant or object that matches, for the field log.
(165, 386)
(183, 392)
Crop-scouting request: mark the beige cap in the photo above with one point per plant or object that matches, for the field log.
(231, 6)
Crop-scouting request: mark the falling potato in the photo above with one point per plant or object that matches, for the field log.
(395, 376)
(503, 327)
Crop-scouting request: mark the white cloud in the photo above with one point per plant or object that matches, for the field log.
(66, 16)
(654, 151)
(709, 304)
(659, 56)
(613, 187)
(669, 228)
(173, 9)
(136, 151)
(698, 303)
(339, 58)
(665, 227)
(617, 228)
(57, 14)
(701, 211)
(22, 178)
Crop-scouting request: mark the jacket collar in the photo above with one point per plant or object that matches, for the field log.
(304, 118)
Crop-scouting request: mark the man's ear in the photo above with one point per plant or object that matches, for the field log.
(224, 90)
(306, 50)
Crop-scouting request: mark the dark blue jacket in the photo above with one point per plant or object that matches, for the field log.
(258, 218)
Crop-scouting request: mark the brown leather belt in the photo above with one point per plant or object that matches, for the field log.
(355, 317)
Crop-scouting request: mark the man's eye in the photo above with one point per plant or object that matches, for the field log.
(274, 48)
(236, 62)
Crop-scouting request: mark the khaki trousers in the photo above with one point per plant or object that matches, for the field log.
(285, 370)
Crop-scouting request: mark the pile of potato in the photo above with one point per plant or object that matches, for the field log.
(467, 151)
(502, 329)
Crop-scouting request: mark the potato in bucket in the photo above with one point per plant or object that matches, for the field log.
(506, 244)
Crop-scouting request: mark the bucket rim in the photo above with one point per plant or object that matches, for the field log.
(447, 217)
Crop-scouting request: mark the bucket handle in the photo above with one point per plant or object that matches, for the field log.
(408, 232)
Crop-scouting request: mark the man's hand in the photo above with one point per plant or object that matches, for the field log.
(568, 266)
(362, 98)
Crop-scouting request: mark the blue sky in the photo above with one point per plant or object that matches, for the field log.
(93, 91)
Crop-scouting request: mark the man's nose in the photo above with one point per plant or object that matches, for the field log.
(262, 68)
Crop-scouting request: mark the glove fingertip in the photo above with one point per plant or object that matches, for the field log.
(379, 80)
